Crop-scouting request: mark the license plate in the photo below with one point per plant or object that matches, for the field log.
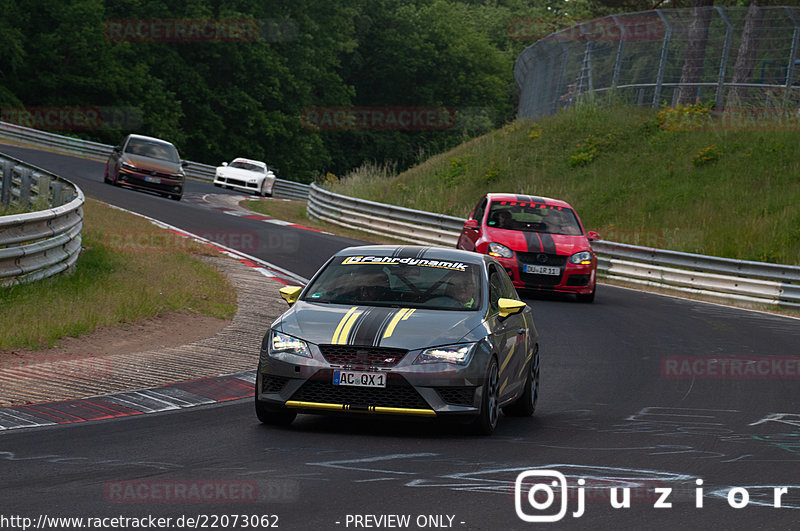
(542, 270)
(152, 180)
(359, 379)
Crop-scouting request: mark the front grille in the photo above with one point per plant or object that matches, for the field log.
(272, 384)
(578, 280)
(138, 180)
(532, 279)
(397, 393)
(153, 173)
(237, 182)
(457, 396)
(551, 259)
(364, 357)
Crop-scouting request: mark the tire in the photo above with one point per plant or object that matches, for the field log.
(271, 415)
(486, 421)
(526, 403)
(175, 197)
(263, 192)
(218, 185)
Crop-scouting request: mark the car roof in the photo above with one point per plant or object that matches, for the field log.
(415, 251)
(520, 198)
(251, 161)
(151, 139)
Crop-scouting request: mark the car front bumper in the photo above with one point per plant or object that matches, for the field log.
(427, 390)
(572, 278)
(163, 185)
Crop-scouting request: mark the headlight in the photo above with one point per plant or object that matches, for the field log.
(128, 166)
(582, 258)
(283, 344)
(458, 354)
(497, 249)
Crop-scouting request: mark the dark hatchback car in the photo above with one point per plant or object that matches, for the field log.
(402, 331)
(147, 163)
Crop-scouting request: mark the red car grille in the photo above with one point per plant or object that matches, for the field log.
(545, 259)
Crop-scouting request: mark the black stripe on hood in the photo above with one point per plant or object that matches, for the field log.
(370, 327)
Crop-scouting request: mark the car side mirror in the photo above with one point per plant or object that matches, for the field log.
(471, 224)
(510, 307)
(290, 294)
(184, 163)
(592, 235)
(224, 163)
(117, 149)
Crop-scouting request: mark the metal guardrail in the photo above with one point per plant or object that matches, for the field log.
(84, 148)
(745, 281)
(400, 223)
(39, 244)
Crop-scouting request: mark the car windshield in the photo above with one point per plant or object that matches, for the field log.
(534, 217)
(154, 150)
(247, 166)
(389, 281)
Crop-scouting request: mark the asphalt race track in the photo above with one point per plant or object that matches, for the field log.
(619, 407)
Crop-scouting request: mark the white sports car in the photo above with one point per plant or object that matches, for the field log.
(247, 175)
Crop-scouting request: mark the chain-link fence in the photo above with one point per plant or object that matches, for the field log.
(732, 57)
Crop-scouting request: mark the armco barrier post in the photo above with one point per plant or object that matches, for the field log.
(5, 186)
(25, 186)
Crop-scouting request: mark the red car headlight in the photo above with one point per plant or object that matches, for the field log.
(581, 258)
(499, 250)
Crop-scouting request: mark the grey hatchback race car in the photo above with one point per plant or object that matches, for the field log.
(401, 330)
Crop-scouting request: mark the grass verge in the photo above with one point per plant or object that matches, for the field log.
(128, 270)
(715, 190)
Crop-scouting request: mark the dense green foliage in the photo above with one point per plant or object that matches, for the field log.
(218, 99)
(636, 175)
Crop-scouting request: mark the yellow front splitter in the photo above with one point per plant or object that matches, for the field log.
(371, 409)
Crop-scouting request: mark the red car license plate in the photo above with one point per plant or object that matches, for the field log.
(542, 270)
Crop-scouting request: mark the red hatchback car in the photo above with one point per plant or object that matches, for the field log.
(540, 242)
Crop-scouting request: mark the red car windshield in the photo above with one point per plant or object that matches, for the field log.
(533, 217)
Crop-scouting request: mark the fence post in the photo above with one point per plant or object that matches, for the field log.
(724, 60)
(618, 58)
(662, 63)
(792, 53)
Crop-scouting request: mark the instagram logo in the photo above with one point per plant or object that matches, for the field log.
(545, 488)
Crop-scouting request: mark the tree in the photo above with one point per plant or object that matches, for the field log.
(692, 71)
(746, 58)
